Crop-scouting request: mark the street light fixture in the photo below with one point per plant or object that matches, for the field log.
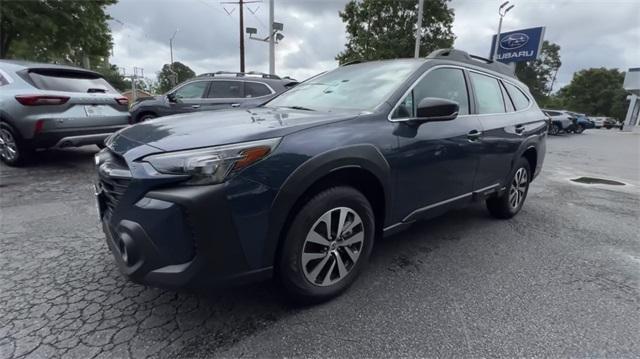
(502, 12)
(274, 37)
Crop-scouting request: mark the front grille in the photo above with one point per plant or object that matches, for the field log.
(114, 179)
(113, 189)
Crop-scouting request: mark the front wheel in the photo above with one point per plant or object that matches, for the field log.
(327, 245)
(509, 203)
(579, 129)
(554, 129)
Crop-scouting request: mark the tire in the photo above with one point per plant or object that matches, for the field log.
(13, 151)
(330, 266)
(146, 116)
(579, 129)
(554, 130)
(510, 203)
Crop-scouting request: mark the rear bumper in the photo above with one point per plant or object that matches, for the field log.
(74, 138)
(181, 237)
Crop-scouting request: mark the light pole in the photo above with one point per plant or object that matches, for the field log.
(173, 73)
(416, 51)
(272, 43)
(502, 13)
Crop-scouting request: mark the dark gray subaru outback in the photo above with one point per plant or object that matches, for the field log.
(301, 187)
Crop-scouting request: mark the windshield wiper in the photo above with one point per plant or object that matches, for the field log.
(298, 108)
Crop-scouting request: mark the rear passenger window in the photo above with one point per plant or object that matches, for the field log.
(443, 83)
(254, 89)
(488, 93)
(226, 89)
(519, 99)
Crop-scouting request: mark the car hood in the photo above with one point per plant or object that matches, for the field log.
(212, 128)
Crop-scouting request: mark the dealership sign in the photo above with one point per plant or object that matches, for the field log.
(519, 45)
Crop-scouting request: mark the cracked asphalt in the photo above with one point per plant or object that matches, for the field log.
(561, 279)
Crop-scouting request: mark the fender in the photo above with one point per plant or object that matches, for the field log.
(364, 156)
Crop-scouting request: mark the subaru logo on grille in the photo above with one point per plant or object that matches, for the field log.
(514, 41)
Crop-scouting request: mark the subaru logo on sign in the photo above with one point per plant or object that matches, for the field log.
(514, 41)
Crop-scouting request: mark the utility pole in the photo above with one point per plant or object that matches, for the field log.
(134, 80)
(241, 4)
(241, 35)
(416, 52)
(494, 56)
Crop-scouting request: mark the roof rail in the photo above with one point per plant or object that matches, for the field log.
(240, 74)
(462, 56)
(352, 62)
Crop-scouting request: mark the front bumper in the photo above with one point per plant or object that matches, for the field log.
(177, 237)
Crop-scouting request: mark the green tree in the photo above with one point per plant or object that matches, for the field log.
(65, 31)
(182, 73)
(596, 92)
(385, 29)
(540, 73)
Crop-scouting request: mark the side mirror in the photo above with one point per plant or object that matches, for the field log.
(172, 97)
(436, 109)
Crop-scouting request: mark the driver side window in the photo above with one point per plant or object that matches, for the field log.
(192, 90)
(446, 83)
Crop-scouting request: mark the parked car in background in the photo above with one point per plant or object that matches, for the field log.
(582, 122)
(610, 123)
(598, 121)
(213, 91)
(302, 186)
(560, 121)
(45, 106)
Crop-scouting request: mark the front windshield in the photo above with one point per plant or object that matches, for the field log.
(354, 87)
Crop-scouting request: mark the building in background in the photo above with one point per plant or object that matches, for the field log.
(632, 84)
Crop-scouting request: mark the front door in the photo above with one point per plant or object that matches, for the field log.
(437, 160)
(189, 97)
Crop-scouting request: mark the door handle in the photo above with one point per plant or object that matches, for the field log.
(519, 129)
(235, 105)
(474, 135)
(195, 106)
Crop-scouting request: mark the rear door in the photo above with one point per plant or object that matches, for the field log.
(503, 125)
(91, 100)
(224, 94)
(438, 160)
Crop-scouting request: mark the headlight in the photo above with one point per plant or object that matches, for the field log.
(213, 164)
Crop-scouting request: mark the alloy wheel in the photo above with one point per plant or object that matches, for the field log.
(8, 146)
(332, 246)
(518, 187)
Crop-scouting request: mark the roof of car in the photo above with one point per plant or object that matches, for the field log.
(18, 65)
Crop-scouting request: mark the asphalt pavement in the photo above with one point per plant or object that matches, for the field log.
(561, 279)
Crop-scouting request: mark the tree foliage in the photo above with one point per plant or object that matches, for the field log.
(596, 92)
(539, 74)
(64, 31)
(182, 73)
(385, 29)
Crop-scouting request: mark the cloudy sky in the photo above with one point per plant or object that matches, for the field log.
(591, 33)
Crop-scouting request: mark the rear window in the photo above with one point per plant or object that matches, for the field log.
(255, 89)
(520, 100)
(70, 81)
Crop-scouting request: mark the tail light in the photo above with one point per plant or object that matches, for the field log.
(41, 100)
(122, 101)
